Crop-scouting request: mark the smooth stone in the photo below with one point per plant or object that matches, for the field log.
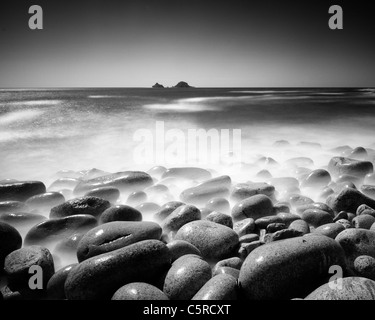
(220, 287)
(262, 188)
(300, 226)
(22, 219)
(262, 223)
(281, 207)
(56, 229)
(288, 218)
(316, 205)
(93, 206)
(364, 209)
(186, 277)
(330, 230)
(21, 190)
(244, 226)
(364, 221)
(218, 204)
(338, 187)
(139, 291)
(347, 178)
(364, 266)
(200, 195)
(356, 242)
(45, 201)
(179, 248)
(246, 248)
(327, 191)
(289, 268)
(247, 238)
(181, 216)
(221, 181)
(282, 234)
(317, 179)
(235, 273)
(273, 227)
(127, 181)
(12, 206)
(115, 235)
(157, 171)
(136, 198)
(110, 194)
(255, 207)
(148, 208)
(316, 217)
(297, 200)
(18, 263)
(167, 209)
(69, 245)
(353, 288)
(341, 165)
(120, 213)
(345, 223)
(92, 174)
(191, 173)
(55, 285)
(10, 240)
(234, 262)
(349, 200)
(341, 215)
(358, 153)
(242, 191)
(64, 183)
(213, 240)
(264, 174)
(368, 190)
(220, 218)
(100, 276)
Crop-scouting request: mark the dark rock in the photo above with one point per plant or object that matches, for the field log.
(10, 240)
(234, 263)
(359, 153)
(213, 240)
(21, 190)
(364, 209)
(288, 218)
(364, 221)
(18, 263)
(56, 229)
(220, 218)
(297, 200)
(316, 205)
(180, 217)
(330, 230)
(289, 268)
(221, 181)
(86, 205)
(55, 285)
(317, 179)
(283, 234)
(340, 165)
(235, 273)
(255, 207)
(110, 194)
(220, 287)
(273, 227)
(349, 200)
(120, 213)
(281, 207)
(182, 84)
(157, 86)
(247, 238)
(345, 179)
(262, 223)
(246, 248)
(345, 223)
(352, 288)
(300, 226)
(115, 235)
(364, 266)
(179, 248)
(340, 215)
(139, 291)
(316, 217)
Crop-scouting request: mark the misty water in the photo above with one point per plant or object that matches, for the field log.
(45, 131)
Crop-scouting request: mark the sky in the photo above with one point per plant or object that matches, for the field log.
(236, 43)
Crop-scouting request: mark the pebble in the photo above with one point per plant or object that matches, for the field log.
(358, 153)
(273, 227)
(247, 238)
(167, 209)
(349, 200)
(136, 198)
(262, 223)
(341, 165)
(288, 218)
(18, 263)
(10, 240)
(235, 273)
(99, 277)
(364, 266)
(341, 215)
(316, 217)
(218, 204)
(110, 194)
(345, 223)
(246, 248)
(181, 216)
(22, 220)
(353, 288)
(364, 209)
(200, 195)
(330, 230)
(186, 277)
(255, 207)
(115, 235)
(220, 218)
(120, 213)
(55, 285)
(191, 173)
(179, 248)
(220, 287)
(282, 234)
(20, 190)
(213, 240)
(234, 262)
(45, 201)
(315, 205)
(281, 207)
(56, 229)
(364, 221)
(288, 268)
(244, 226)
(356, 242)
(139, 291)
(317, 179)
(93, 206)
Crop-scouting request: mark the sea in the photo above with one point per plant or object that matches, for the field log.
(44, 131)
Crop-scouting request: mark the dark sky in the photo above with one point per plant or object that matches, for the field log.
(234, 43)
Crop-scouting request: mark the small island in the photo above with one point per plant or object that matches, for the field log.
(181, 84)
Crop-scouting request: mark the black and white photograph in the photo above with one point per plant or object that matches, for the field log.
(195, 150)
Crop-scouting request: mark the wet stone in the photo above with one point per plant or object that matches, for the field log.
(181, 216)
(20, 190)
(120, 213)
(220, 218)
(110, 194)
(55, 285)
(136, 198)
(220, 287)
(364, 266)
(255, 207)
(179, 248)
(10, 240)
(167, 209)
(139, 291)
(364, 221)
(45, 201)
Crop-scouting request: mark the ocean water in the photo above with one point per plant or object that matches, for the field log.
(44, 131)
